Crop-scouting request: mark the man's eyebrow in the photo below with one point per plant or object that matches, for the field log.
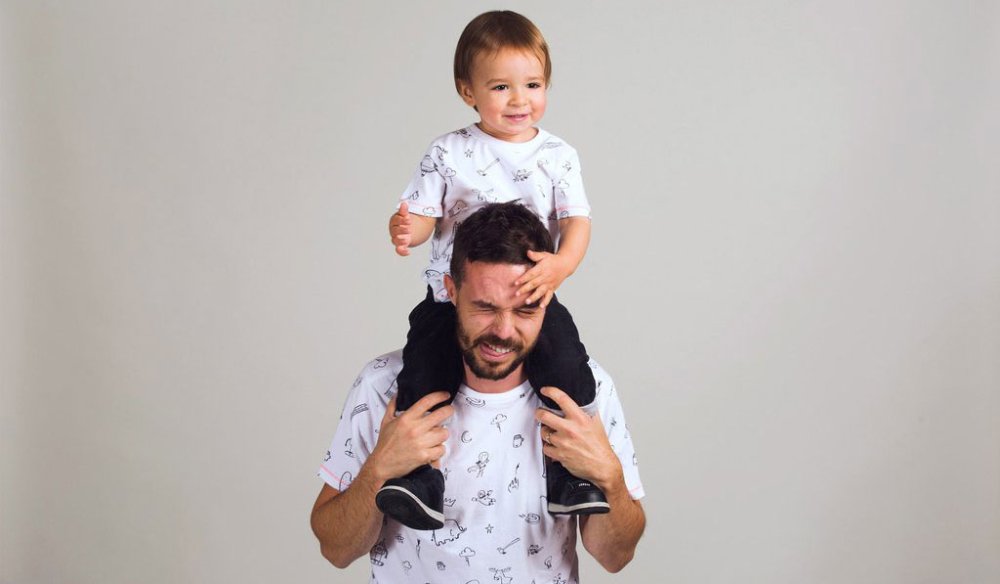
(483, 304)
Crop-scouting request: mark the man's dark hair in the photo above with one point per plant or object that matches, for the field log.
(499, 233)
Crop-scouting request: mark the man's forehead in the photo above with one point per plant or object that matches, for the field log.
(493, 283)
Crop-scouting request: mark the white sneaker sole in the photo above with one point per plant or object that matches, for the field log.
(435, 515)
(565, 509)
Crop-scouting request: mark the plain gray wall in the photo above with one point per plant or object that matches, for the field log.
(794, 275)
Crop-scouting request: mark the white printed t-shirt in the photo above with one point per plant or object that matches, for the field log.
(466, 169)
(496, 528)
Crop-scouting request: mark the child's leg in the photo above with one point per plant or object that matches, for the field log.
(560, 359)
(431, 358)
(431, 362)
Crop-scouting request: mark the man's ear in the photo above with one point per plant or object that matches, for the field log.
(452, 289)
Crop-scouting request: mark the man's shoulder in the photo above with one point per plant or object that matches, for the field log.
(378, 377)
(605, 384)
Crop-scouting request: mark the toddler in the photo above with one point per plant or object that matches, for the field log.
(502, 71)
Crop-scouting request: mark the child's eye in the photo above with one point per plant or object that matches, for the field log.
(500, 87)
(534, 85)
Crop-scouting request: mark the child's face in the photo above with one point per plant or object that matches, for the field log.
(508, 90)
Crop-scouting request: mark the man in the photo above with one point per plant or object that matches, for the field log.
(496, 527)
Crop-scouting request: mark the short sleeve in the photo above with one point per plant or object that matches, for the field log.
(613, 416)
(427, 188)
(357, 431)
(570, 196)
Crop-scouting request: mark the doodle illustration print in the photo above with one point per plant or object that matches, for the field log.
(427, 166)
(486, 170)
(345, 481)
(498, 420)
(480, 465)
(501, 575)
(485, 498)
(379, 553)
(503, 549)
(514, 483)
(454, 531)
(467, 553)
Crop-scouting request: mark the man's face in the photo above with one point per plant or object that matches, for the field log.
(496, 330)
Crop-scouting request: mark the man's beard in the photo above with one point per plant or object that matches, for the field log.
(491, 371)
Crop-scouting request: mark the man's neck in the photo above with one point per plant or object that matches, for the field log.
(516, 378)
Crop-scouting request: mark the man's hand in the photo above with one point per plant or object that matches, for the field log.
(578, 441)
(401, 229)
(411, 439)
(544, 278)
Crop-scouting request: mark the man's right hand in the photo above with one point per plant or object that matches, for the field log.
(411, 439)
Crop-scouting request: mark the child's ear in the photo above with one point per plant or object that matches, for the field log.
(466, 92)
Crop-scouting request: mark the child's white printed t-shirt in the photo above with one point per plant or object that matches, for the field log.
(466, 169)
(496, 528)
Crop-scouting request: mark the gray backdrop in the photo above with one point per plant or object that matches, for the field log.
(794, 275)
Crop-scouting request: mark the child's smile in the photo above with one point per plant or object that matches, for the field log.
(508, 91)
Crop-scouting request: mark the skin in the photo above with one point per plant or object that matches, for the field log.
(347, 523)
(508, 90)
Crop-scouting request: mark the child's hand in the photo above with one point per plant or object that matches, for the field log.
(401, 229)
(541, 281)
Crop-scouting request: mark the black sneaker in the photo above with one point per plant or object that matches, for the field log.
(570, 495)
(416, 500)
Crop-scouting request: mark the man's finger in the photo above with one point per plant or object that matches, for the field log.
(427, 402)
(438, 416)
(565, 402)
(403, 250)
(404, 209)
(390, 411)
(551, 421)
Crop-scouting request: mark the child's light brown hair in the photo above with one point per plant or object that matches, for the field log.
(490, 32)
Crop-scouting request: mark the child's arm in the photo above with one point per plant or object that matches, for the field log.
(541, 281)
(407, 230)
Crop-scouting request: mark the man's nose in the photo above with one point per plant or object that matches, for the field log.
(503, 326)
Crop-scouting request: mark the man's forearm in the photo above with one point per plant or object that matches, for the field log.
(348, 524)
(611, 537)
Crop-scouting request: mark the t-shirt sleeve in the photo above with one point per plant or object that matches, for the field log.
(356, 435)
(613, 416)
(571, 198)
(427, 188)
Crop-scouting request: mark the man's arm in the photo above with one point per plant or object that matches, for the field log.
(611, 537)
(347, 523)
(581, 444)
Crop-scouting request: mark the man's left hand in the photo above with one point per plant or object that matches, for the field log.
(578, 441)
